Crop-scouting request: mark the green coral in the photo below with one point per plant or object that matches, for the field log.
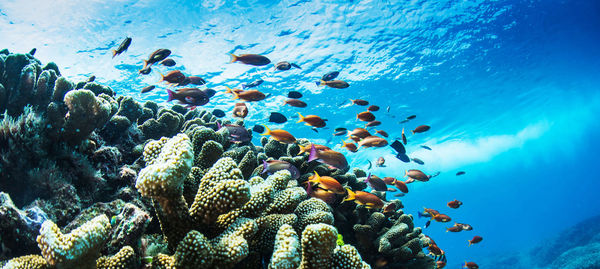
(86, 113)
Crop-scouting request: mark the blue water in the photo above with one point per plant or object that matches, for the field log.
(510, 88)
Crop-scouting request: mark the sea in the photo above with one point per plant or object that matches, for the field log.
(511, 90)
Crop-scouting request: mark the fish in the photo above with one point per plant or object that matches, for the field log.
(389, 180)
(277, 117)
(387, 109)
(156, 56)
(258, 128)
(364, 198)
(400, 194)
(391, 190)
(359, 102)
(327, 183)
(460, 173)
(168, 62)
(471, 265)
(465, 227)
(148, 88)
(284, 65)
(338, 84)
(196, 80)
(373, 123)
(273, 166)
(440, 217)
(365, 116)
(240, 110)
(249, 95)
(440, 264)
(329, 157)
(376, 183)
(340, 131)
(280, 135)
(122, 48)
(189, 96)
(417, 160)
(417, 175)
(403, 157)
(424, 214)
(370, 165)
(294, 95)
(320, 193)
(358, 133)
(237, 133)
(403, 121)
(426, 147)
(430, 211)
(389, 208)
(146, 70)
(250, 59)
(294, 103)
(398, 147)
(174, 77)
(454, 204)
(404, 137)
(476, 239)
(372, 141)
(91, 79)
(421, 129)
(380, 162)
(382, 133)
(218, 113)
(312, 120)
(32, 51)
(401, 186)
(373, 108)
(307, 148)
(330, 76)
(411, 117)
(454, 229)
(349, 146)
(253, 84)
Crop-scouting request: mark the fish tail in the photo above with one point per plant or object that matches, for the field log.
(413, 131)
(235, 95)
(313, 153)
(234, 58)
(228, 90)
(162, 77)
(318, 83)
(171, 95)
(265, 166)
(302, 149)
(114, 53)
(309, 189)
(350, 196)
(368, 178)
(420, 214)
(145, 64)
(301, 118)
(470, 243)
(268, 131)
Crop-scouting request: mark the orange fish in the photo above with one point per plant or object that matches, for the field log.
(349, 146)
(365, 116)
(404, 137)
(401, 186)
(476, 239)
(454, 229)
(294, 103)
(280, 135)
(364, 198)
(372, 141)
(382, 133)
(421, 129)
(359, 133)
(389, 208)
(471, 265)
(431, 211)
(440, 264)
(240, 110)
(338, 84)
(373, 108)
(327, 183)
(380, 162)
(174, 77)
(454, 204)
(326, 196)
(306, 148)
(373, 123)
(359, 102)
(389, 180)
(251, 59)
(312, 120)
(329, 157)
(417, 174)
(250, 95)
(441, 217)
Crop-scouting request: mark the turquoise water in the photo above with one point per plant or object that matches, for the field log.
(510, 89)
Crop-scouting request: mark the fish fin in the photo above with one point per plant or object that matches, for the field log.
(301, 118)
(171, 95)
(219, 126)
(350, 196)
(295, 65)
(309, 189)
(234, 58)
(114, 53)
(268, 132)
(368, 178)
(313, 153)
(265, 166)
(244, 86)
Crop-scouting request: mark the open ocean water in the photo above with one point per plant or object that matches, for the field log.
(511, 90)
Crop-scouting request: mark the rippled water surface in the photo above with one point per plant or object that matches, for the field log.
(510, 88)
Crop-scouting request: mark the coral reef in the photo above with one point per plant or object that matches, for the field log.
(112, 183)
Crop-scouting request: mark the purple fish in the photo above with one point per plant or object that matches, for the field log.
(237, 134)
(273, 166)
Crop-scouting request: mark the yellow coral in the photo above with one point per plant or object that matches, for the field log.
(26, 262)
(286, 254)
(318, 243)
(124, 259)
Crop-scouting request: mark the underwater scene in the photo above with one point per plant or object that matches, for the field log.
(299, 134)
